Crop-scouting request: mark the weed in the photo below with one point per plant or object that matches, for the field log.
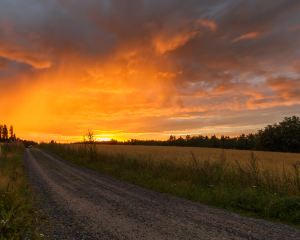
(17, 216)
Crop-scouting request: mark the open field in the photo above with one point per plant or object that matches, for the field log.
(183, 155)
(17, 216)
(236, 180)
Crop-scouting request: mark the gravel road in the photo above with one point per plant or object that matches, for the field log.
(82, 204)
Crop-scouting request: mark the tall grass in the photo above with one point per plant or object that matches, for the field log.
(247, 187)
(17, 217)
(182, 155)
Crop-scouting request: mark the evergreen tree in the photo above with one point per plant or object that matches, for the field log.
(11, 132)
(4, 133)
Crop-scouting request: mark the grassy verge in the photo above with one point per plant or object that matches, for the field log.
(246, 189)
(18, 219)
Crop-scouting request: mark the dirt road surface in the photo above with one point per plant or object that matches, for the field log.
(82, 204)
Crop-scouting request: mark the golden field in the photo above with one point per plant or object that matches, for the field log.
(183, 155)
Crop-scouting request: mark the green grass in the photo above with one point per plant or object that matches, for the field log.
(18, 219)
(244, 189)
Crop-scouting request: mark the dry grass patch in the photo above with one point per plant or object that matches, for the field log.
(183, 155)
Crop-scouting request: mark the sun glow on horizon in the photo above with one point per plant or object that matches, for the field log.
(103, 139)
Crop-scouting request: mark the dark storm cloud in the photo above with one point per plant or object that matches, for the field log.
(95, 27)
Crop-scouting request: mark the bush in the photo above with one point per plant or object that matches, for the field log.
(286, 209)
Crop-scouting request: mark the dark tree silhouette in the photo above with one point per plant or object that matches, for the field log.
(90, 136)
(11, 132)
(281, 137)
(5, 133)
(284, 136)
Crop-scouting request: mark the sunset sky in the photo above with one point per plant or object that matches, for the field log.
(147, 68)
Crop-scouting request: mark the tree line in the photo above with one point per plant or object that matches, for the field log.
(280, 137)
(7, 134)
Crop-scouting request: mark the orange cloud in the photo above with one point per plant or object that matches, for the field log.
(247, 36)
(287, 89)
(34, 59)
(211, 25)
(168, 41)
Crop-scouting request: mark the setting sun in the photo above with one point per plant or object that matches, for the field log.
(103, 139)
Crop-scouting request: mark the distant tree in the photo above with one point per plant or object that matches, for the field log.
(290, 132)
(90, 136)
(180, 141)
(188, 138)
(284, 136)
(242, 142)
(11, 133)
(172, 138)
(214, 141)
(252, 141)
(91, 146)
(5, 133)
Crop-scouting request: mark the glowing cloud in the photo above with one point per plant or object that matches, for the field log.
(146, 69)
(171, 40)
(208, 24)
(28, 58)
(247, 36)
(165, 44)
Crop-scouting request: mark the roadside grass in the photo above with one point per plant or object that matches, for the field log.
(245, 188)
(18, 220)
